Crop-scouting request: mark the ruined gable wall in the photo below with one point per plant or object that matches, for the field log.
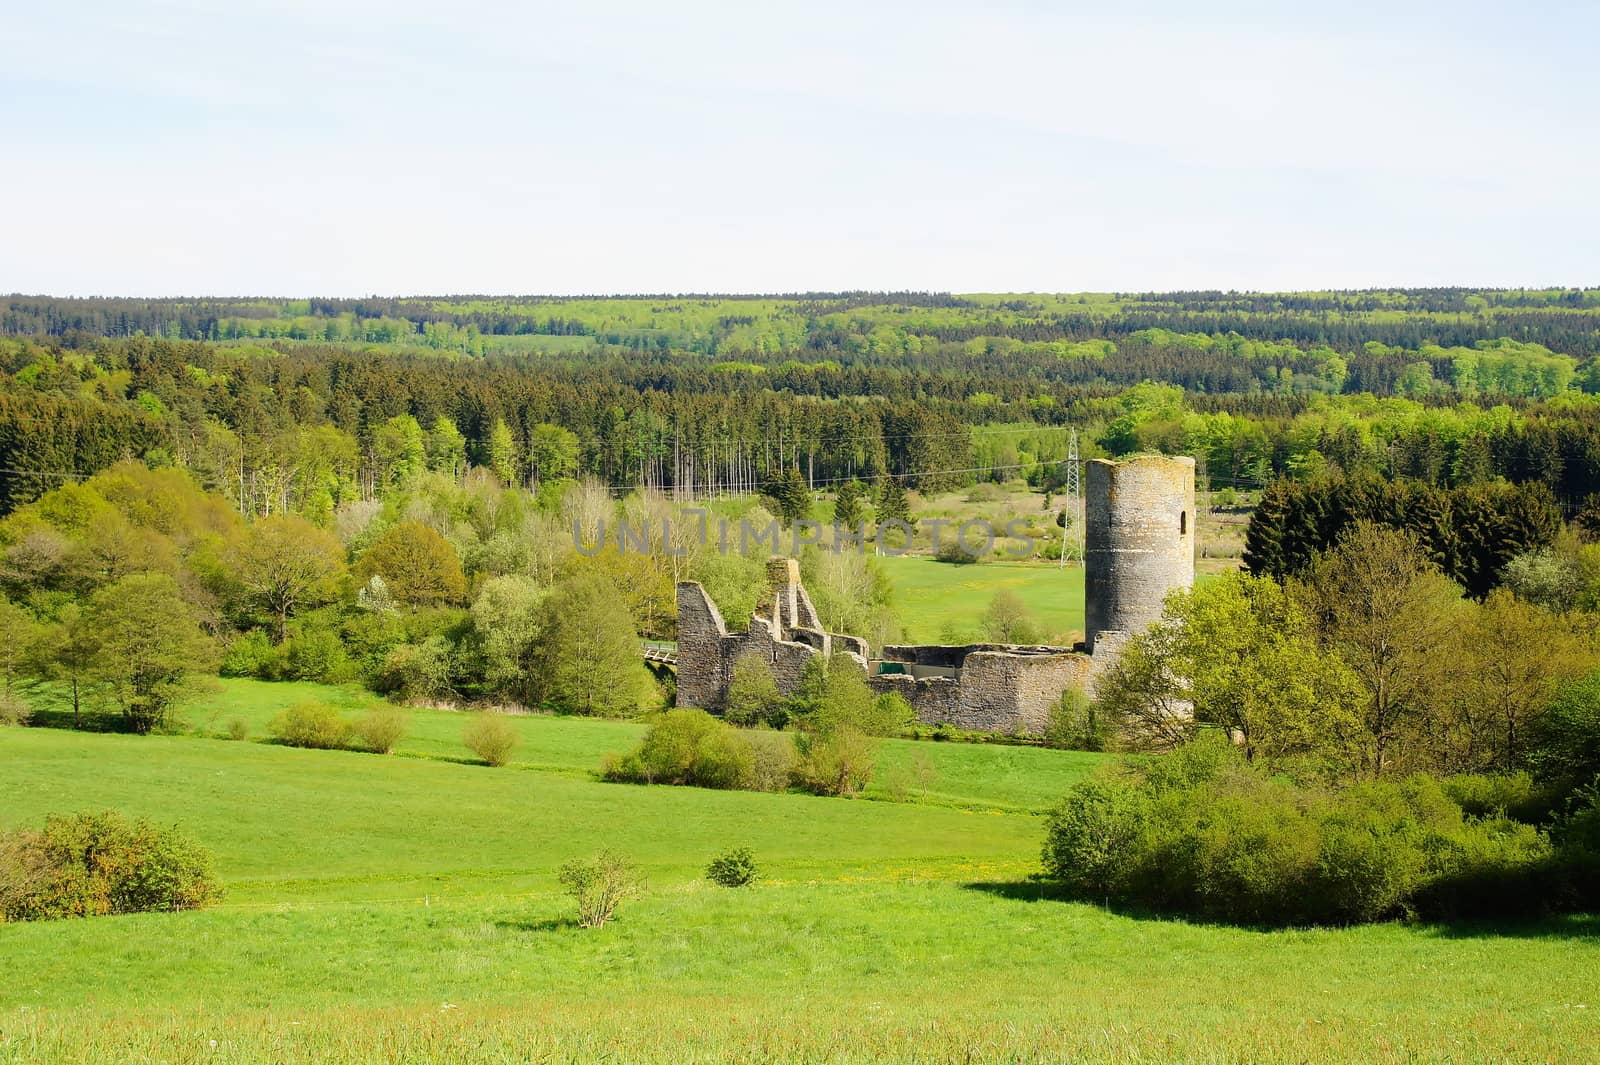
(1003, 692)
(707, 651)
(703, 662)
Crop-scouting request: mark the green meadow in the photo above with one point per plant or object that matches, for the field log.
(404, 908)
(937, 599)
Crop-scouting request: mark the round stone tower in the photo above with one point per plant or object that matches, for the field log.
(1138, 541)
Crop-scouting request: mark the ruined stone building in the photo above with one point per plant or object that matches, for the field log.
(1139, 545)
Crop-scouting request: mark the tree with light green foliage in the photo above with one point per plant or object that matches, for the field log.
(399, 450)
(505, 621)
(552, 453)
(586, 659)
(1241, 654)
(447, 448)
(1008, 619)
(147, 646)
(502, 452)
(418, 566)
(752, 697)
(283, 564)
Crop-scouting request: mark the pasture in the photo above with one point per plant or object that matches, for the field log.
(936, 600)
(403, 907)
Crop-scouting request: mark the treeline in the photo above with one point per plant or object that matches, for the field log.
(1471, 533)
(124, 589)
(1562, 321)
(266, 428)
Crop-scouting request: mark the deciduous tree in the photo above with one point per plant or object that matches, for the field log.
(418, 566)
(148, 644)
(284, 564)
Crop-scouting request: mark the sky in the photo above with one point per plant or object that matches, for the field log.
(348, 147)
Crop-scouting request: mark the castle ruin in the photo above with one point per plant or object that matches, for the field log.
(1139, 546)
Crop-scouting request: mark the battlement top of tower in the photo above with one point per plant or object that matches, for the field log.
(1150, 459)
(783, 572)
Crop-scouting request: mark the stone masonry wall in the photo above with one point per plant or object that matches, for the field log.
(996, 690)
(707, 651)
(1139, 526)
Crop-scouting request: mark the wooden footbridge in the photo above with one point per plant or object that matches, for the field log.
(659, 652)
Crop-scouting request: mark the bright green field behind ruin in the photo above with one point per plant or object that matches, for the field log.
(404, 908)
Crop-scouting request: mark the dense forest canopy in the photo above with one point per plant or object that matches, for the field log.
(304, 404)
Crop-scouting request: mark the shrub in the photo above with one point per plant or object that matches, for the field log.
(379, 730)
(490, 737)
(838, 762)
(1202, 832)
(983, 493)
(24, 870)
(1577, 834)
(310, 724)
(1093, 835)
(688, 747)
(1484, 794)
(735, 867)
(772, 759)
(13, 711)
(600, 884)
(252, 654)
(316, 654)
(1077, 724)
(421, 670)
(1566, 737)
(753, 697)
(916, 775)
(238, 729)
(87, 865)
(956, 554)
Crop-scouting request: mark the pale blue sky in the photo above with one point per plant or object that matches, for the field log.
(346, 147)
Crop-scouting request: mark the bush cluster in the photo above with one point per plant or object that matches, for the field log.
(1200, 832)
(693, 748)
(13, 710)
(839, 722)
(956, 553)
(320, 726)
(314, 653)
(310, 724)
(1077, 724)
(92, 864)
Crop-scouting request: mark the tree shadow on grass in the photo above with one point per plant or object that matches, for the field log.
(548, 924)
(1584, 926)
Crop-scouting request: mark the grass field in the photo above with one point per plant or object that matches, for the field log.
(971, 776)
(403, 908)
(935, 600)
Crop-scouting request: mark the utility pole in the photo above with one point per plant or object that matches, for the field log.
(1074, 508)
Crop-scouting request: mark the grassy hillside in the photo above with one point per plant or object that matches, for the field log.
(289, 823)
(403, 908)
(973, 776)
(838, 971)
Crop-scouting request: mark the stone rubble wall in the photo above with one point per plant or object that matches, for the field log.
(998, 688)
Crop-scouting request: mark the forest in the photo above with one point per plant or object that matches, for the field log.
(308, 405)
